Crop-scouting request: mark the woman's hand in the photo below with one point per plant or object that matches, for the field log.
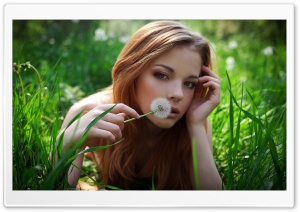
(196, 117)
(200, 108)
(109, 127)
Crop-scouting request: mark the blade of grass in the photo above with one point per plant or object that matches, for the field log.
(249, 115)
(64, 162)
(254, 126)
(231, 140)
(152, 183)
(60, 139)
(237, 133)
(86, 130)
(101, 185)
(92, 149)
(194, 155)
(277, 120)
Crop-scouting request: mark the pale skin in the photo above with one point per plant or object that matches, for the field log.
(178, 76)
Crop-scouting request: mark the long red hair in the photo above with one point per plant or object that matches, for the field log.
(172, 170)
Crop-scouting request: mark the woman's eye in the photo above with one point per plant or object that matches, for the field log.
(190, 84)
(160, 75)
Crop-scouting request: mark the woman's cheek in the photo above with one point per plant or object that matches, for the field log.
(148, 89)
(188, 99)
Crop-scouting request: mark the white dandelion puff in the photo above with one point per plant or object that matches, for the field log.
(160, 107)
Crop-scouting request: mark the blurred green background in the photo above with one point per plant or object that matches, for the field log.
(74, 59)
(82, 53)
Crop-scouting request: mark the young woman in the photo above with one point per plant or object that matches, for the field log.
(162, 59)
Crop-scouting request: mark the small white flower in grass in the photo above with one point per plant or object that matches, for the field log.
(100, 35)
(233, 44)
(160, 107)
(230, 63)
(268, 50)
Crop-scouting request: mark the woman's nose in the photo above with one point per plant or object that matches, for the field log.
(175, 92)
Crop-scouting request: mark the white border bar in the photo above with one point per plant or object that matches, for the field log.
(147, 11)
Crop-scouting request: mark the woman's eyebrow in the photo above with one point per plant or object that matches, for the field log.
(172, 70)
(166, 67)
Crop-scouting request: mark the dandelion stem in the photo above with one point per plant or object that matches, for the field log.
(146, 114)
(160, 107)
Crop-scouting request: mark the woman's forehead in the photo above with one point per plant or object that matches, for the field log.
(180, 56)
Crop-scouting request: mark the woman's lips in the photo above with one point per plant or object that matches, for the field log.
(174, 113)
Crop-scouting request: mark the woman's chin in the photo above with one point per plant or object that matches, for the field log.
(164, 123)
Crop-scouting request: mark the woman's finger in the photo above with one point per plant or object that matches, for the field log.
(208, 78)
(120, 108)
(115, 119)
(214, 91)
(103, 134)
(208, 71)
(110, 127)
(212, 84)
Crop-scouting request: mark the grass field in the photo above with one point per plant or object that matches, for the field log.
(59, 62)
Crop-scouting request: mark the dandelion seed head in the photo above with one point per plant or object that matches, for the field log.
(160, 107)
(230, 63)
(268, 50)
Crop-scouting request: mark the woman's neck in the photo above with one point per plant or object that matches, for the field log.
(152, 135)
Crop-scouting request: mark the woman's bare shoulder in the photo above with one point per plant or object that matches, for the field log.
(88, 103)
(91, 101)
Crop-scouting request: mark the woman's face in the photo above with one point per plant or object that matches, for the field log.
(173, 76)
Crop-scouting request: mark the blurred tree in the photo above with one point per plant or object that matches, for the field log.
(273, 31)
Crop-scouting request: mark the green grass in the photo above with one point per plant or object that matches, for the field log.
(250, 148)
(260, 167)
(249, 125)
(39, 162)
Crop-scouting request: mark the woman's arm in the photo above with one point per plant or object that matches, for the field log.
(208, 176)
(85, 105)
(108, 128)
(200, 130)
